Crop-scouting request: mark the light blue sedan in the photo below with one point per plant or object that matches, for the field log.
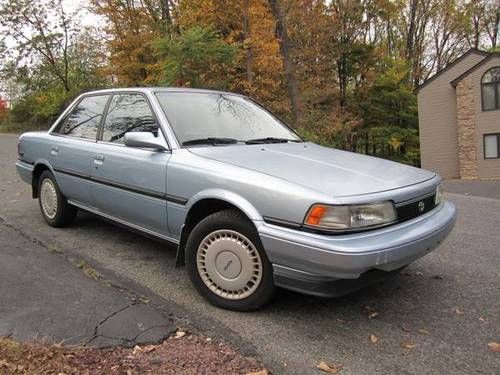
(249, 205)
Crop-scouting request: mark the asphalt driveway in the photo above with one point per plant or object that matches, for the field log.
(44, 296)
(437, 317)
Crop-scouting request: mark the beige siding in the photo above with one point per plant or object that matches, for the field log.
(437, 120)
(486, 122)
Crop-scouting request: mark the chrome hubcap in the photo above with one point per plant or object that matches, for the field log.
(229, 264)
(48, 198)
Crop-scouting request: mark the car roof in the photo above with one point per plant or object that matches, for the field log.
(158, 89)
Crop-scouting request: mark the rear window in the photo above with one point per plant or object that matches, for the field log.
(84, 119)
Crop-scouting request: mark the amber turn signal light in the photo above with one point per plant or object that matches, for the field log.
(315, 214)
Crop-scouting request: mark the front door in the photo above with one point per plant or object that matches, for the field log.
(130, 183)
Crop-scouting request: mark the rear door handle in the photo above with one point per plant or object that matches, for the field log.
(98, 160)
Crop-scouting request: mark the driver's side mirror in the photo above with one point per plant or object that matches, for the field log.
(144, 140)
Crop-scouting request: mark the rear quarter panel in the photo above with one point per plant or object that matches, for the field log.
(35, 147)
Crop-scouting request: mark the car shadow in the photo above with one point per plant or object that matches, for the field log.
(100, 227)
(395, 299)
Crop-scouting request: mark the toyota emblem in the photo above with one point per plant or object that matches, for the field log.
(421, 206)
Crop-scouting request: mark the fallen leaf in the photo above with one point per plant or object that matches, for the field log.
(406, 329)
(373, 339)
(459, 312)
(373, 315)
(423, 331)
(180, 334)
(408, 345)
(330, 368)
(149, 348)
(341, 320)
(482, 319)
(137, 350)
(494, 346)
(261, 372)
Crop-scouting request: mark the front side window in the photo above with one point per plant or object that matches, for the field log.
(198, 116)
(492, 146)
(128, 113)
(490, 89)
(84, 119)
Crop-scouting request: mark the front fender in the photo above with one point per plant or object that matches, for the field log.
(224, 195)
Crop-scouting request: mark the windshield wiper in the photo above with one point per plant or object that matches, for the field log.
(269, 140)
(210, 141)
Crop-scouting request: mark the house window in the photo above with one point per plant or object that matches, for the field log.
(492, 146)
(490, 89)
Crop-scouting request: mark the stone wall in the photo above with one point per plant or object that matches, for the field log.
(467, 153)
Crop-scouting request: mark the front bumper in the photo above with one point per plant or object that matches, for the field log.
(308, 262)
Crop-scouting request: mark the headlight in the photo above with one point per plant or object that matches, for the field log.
(346, 217)
(439, 195)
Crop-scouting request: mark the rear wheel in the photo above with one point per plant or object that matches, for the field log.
(55, 209)
(227, 264)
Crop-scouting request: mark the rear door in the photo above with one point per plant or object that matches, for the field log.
(130, 183)
(73, 146)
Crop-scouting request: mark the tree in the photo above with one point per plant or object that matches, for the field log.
(131, 27)
(4, 108)
(285, 51)
(41, 30)
(388, 109)
(194, 58)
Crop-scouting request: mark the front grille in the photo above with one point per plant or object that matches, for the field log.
(414, 209)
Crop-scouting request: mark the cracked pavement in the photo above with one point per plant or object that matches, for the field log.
(446, 304)
(44, 296)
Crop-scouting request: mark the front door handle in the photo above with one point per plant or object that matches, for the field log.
(54, 150)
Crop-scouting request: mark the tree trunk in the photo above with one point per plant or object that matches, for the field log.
(247, 40)
(284, 44)
(166, 17)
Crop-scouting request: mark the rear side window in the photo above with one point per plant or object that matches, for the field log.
(128, 113)
(84, 119)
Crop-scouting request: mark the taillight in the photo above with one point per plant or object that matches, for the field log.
(19, 152)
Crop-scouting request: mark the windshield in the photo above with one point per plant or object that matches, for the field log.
(199, 117)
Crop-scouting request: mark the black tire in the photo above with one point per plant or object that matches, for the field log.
(64, 213)
(230, 220)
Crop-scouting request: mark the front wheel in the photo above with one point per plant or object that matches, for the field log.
(227, 264)
(55, 209)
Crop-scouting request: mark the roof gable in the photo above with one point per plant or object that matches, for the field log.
(490, 56)
(453, 63)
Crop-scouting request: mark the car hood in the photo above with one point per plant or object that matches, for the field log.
(333, 172)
